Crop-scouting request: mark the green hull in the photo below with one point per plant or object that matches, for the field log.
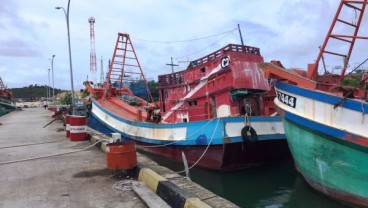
(3, 111)
(334, 167)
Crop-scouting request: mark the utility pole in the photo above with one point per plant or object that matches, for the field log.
(70, 53)
(53, 87)
(48, 91)
(172, 65)
(241, 37)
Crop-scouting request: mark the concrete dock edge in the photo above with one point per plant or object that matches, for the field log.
(174, 189)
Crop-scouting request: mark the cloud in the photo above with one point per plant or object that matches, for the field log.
(32, 31)
(17, 38)
(16, 48)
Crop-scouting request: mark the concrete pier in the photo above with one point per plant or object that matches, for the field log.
(81, 179)
(73, 180)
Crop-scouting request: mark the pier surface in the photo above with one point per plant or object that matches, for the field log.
(81, 179)
(72, 180)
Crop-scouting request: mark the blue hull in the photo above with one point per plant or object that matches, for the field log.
(213, 144)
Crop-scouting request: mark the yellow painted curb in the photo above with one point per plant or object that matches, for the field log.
(150, 178)
(103, 146)
(195, 203)
(93, 140)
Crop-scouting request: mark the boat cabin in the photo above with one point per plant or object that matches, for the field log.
(227, 82)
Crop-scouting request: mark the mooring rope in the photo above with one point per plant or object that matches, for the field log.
(30, 144)
(53, 155)
(205, 151)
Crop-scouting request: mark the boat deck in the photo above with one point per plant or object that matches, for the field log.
(122, 109)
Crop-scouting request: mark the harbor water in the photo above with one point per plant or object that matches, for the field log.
(269, 186)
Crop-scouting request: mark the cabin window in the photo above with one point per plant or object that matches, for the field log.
(192, 103)
(203, 70)
(185, 120)
(187, 87)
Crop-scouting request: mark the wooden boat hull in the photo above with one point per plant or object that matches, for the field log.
(328, 145)
(214, 144)
(6, 106)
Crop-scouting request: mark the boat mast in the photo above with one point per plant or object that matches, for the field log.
(359, 8)
(125, 66)
(172, 65)
(240, 34)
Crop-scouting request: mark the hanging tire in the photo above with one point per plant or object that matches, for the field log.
(251, 137)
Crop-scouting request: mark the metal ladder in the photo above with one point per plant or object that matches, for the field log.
(125, 67)
(359, 7)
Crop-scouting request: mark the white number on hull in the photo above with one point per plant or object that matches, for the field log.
(286, 99)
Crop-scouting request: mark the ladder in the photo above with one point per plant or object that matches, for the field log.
(344, 52)
(125, 67)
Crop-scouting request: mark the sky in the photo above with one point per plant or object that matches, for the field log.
(33, 31)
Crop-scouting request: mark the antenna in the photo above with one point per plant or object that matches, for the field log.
(172, 65)
(241, 37)
(93, 67)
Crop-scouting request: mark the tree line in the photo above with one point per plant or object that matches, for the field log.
(33, 91)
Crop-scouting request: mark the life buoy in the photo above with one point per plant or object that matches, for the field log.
(249, 138)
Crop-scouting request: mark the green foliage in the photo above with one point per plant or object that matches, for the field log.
(352, 81)
(85, 93)
(67, 99)
(153, 87)
(33, 91)
(139, 89)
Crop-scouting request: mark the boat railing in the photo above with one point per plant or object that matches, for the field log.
(222, 51)
(171, 79)
(177, 77)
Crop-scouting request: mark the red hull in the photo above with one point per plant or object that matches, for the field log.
(226, 157)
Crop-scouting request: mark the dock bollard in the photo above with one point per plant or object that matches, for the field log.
(121, 155)
(78, 128)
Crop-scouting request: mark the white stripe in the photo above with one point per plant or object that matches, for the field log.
(169, 133)
(202, 82)
(78, 129)
(341, 118)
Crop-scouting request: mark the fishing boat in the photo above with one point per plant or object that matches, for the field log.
(218, 113)
(325, 115)
(6, 102)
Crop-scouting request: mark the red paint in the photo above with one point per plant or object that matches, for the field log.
(121, 156)
(78, 126)
(346, 197)
(52, 108)
(224, 83)
(357, 140)
(199, 103)
(225, 157)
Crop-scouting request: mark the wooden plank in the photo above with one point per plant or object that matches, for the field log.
(148, 196)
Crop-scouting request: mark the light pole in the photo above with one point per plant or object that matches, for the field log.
(48, 91)
(70, 52)
(47, 95)
(52, 71)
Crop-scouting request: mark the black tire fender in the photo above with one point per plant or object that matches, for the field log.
(253, 137)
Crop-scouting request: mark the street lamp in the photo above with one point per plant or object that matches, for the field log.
(70, 52)
(52, 70)
(48, 91)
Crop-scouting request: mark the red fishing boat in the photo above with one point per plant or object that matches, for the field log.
(218, 113)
